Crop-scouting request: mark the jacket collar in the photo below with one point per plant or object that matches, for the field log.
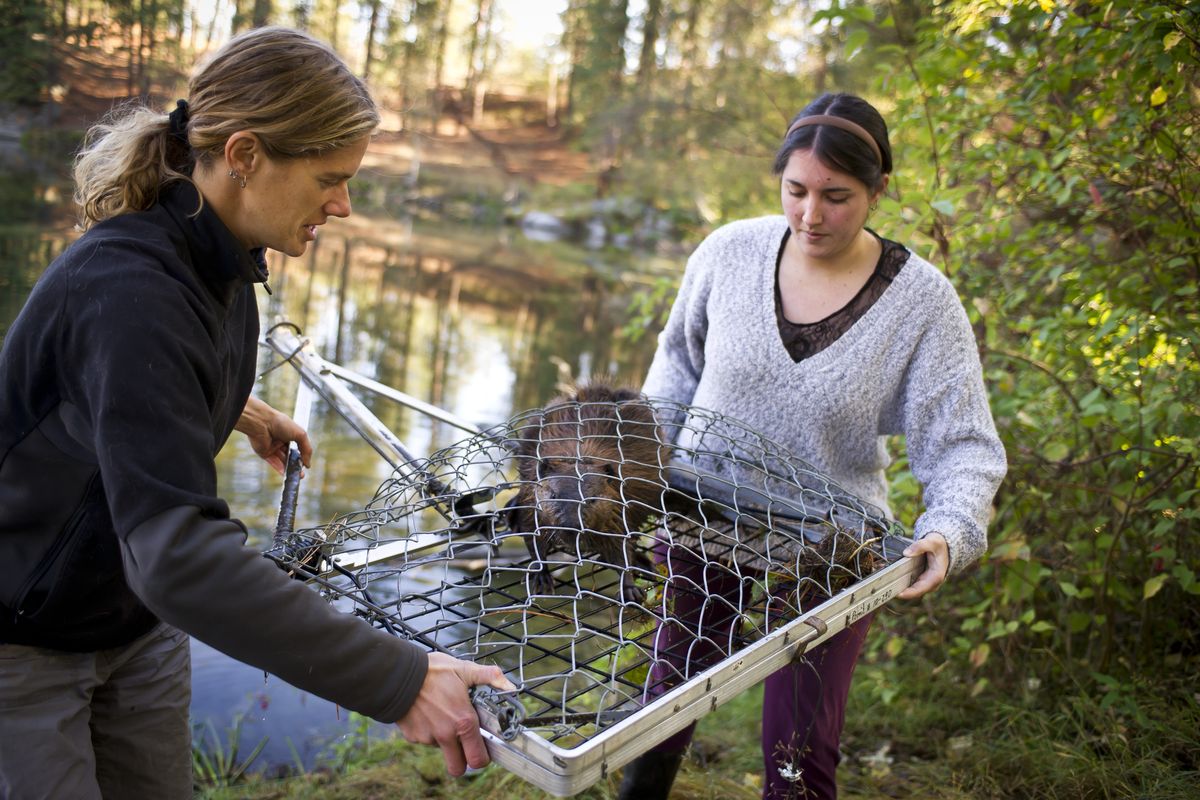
(216, 253)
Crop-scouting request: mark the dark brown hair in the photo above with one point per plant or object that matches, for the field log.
(840, 149)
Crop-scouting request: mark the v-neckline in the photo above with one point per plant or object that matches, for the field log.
(821, 359)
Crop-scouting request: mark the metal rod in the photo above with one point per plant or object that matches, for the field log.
(403, 399)
(320, 374)
(314, 370)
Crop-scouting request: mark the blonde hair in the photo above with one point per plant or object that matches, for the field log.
(291, 90)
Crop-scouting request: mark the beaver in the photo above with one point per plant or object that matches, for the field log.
(590, 465)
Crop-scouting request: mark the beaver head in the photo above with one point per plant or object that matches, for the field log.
(590, 466)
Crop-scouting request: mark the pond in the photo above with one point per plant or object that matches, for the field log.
(481, 322)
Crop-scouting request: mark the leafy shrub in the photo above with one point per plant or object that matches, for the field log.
(1047, 161)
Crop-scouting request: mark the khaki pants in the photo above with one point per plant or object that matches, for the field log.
(109, 724)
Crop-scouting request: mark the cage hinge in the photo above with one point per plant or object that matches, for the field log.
(818, 628)
(499, 712)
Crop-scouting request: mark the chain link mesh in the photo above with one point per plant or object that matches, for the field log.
(562, 544)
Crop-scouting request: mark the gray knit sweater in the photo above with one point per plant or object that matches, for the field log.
(909, 366)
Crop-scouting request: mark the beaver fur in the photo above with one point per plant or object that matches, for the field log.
(591, 476)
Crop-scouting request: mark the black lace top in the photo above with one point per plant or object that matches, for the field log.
(807, 339)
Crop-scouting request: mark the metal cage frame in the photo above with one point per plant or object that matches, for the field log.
(530, 734)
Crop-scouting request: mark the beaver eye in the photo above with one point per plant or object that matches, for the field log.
(609, 469)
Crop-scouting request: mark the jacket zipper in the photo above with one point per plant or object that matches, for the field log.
(52, 554)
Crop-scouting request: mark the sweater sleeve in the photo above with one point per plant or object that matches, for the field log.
(679, 360)
(953, 448)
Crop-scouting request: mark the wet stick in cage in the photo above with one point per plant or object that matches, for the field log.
(285, 524)
(750, 533)
(591, 477)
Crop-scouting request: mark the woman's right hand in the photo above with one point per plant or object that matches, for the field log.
(270, 432)
(443, 715)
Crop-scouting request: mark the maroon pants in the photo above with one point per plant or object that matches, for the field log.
(804, 704)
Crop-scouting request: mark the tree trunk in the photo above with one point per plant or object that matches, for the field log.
(482, 18)
(648, 59)
(261, 15)
(372, 27)
(439, 63)
(131, 70)
(239, 17)
(552, 95)
(688, 67)
(149, 28)
(572, 42)
(333, 25)
(302, 14)
(212, 25)
(620, 32)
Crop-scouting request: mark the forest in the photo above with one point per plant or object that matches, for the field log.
(1047, 160)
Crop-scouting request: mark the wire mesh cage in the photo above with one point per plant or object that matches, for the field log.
(630, 564)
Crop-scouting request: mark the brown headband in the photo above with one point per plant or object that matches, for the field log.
(838, 122)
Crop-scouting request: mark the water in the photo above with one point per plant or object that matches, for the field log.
(480, 322)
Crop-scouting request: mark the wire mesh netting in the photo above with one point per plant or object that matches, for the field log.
(601, 551)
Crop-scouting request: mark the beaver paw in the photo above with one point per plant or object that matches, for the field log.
(631, 593)
(541, 581)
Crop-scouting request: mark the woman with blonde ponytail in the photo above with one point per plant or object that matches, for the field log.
(128, 368)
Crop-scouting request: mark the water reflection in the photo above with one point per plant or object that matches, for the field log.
(482, 323)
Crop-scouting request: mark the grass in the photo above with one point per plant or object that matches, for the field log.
(940, 738)
(912, 731)
(221, 763)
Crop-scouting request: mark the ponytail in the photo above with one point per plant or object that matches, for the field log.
(125, 160)
(291, 90)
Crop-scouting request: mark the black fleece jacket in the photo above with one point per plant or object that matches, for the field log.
(120, 379)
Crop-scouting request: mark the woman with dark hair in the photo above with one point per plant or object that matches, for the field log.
(126, 371)
(827, 338)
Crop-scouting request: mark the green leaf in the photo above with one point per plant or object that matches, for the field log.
(1153, 585)
(1171, 39)
(863, 13)
(1056, 451)
(1158, 97)
(1077, 621)
(855, 42)
(944, 206)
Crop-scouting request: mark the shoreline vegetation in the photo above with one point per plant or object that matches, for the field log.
(1046, 163)
(913, 730)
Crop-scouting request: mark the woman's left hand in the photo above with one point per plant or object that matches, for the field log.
(270, 432)
(937, 561)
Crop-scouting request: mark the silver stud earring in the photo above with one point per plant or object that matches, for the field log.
(241, 179)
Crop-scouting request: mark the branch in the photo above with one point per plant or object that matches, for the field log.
(1062, 384)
